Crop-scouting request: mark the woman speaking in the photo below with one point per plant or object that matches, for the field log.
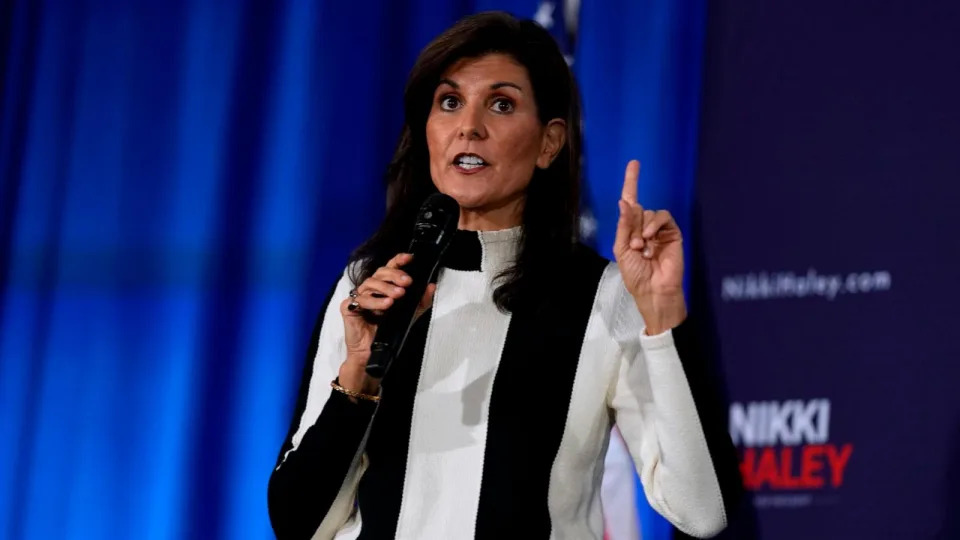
(526, 347)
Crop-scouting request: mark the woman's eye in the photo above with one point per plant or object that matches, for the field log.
(449, 103)
(502, 105)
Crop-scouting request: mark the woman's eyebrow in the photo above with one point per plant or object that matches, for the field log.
(494, 86)
(501, 84)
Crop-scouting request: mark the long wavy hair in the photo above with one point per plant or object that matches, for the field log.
(551, 210)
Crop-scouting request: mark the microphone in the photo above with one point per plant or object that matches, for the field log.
(434, 229)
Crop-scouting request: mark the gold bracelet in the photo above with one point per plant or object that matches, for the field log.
(351, 393)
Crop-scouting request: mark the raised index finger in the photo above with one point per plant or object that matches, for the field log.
(630, 181)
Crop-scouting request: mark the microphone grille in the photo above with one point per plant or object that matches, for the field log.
(438, 218)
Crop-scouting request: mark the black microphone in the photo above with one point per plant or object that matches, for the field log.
(432, 233)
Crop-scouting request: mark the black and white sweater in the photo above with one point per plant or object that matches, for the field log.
(495, 425)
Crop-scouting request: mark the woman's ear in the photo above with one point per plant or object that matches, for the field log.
(554, 137)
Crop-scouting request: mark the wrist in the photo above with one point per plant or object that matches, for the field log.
(662, 314)
(353, 376)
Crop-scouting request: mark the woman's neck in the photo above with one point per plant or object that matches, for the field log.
(491, 220)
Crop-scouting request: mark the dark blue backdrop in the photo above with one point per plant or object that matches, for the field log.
(180, 181)
(828, 190)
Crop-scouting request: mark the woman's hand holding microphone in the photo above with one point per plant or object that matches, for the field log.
(375, 295)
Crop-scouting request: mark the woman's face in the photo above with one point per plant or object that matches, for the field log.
(485, 138)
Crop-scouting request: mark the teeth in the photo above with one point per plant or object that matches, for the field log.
(470, 162)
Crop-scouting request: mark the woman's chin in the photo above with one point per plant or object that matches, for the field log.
(466, 200)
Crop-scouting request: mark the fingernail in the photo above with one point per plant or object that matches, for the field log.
(647, 252)
(398, 290)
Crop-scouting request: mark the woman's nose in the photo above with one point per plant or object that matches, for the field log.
(471, 124)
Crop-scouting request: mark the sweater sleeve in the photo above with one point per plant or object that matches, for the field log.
(666, 409)
(312, 490)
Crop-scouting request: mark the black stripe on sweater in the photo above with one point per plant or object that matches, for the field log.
(305, 485)
(381, 488)
(464, 253)
(530, 402)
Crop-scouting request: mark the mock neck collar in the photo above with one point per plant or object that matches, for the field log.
(482, 251)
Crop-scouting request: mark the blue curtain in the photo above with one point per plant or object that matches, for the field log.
(181, 181)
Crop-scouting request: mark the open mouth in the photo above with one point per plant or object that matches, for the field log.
(469, 162)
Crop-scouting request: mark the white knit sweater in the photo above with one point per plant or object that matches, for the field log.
(493, 422)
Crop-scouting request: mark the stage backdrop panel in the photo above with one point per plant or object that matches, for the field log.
(827, 202)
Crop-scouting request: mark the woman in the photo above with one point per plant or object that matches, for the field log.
(495, 417)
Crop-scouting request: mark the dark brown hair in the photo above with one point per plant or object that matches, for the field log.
(551, 209)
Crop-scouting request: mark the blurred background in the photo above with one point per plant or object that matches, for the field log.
(182, 181)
